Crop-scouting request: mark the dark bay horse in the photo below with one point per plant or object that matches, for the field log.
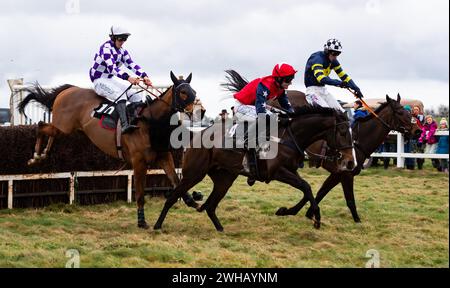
(368, 134)
(223, 166)
(71, 108)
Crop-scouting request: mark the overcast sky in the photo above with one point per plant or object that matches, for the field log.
(389, 46)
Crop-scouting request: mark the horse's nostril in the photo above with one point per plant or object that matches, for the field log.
(350, 165)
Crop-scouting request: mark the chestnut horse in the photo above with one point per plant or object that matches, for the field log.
(368, 134)
(72, 107)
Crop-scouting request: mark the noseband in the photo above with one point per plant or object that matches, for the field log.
(179, 104)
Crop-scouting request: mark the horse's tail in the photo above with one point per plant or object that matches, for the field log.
(38, 94)
(235, 82)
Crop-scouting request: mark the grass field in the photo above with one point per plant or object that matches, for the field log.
(405, 217)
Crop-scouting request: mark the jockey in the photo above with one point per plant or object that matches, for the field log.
(251, 100)
(110, 80)
(317, 70)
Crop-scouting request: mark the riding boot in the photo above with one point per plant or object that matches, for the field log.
(251, 156)
(122, 110)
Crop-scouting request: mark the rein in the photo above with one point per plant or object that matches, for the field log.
(370, 110)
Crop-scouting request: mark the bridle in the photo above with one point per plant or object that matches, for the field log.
(177, 104)
(337, 155)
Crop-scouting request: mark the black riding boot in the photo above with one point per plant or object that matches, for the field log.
(251, 157)
(122, 110)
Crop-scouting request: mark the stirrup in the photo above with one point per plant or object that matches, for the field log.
(129, 129)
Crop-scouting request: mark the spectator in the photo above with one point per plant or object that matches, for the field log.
(223, 115)
(416, 146)
(360, 111)
(408, 148)
(428, 138)
(389, 146)
(443, 146)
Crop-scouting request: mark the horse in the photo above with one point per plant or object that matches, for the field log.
(223, 166)
(72, 107)
(369, 133)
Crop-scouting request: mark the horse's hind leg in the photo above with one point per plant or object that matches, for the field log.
(44, 129)
(222, 182)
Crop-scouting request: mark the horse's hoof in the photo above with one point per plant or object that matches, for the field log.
(157, 227)
(309, 215)
(317, 224)
(193, 204)
(43, 157)
(282, 211)
(31, 162)
(357, 220)
(219, 229)
(143, 225)
(201, 208)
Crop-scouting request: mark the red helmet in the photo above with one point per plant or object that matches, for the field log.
(283, 70)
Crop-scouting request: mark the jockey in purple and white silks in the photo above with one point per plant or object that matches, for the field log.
(110, 80)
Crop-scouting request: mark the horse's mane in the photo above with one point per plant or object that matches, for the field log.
(370, 116)
(235, 82)
(313, 109)
(149, 100)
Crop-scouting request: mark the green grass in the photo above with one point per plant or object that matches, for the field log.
(404, 216)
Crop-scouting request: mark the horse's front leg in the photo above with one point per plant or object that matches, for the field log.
(331, 182)
(140, 171)
(292, 178)
(165, 161)
(347, 185)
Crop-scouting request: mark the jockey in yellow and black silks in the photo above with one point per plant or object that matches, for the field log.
(317, 71)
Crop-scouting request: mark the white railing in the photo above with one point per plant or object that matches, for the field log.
(401, 155)
(71, 176)
(34, 111)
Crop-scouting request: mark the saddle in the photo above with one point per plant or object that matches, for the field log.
(253, 166)
(109, 117)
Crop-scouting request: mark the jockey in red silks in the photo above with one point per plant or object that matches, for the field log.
(251, 103)
(251, 100)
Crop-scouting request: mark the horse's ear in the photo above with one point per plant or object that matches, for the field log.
(398, 97)
(189, 78)
(388, 98)
(174, 79)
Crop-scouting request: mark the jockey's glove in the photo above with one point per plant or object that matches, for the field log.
(344, 84)
(359, 94)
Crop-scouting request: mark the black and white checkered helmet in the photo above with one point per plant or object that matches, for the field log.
(333, 45)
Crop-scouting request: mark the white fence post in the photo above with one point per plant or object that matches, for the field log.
(10, 194)
(129, 188)
(400, 150)
(401, 155)
(72, 188)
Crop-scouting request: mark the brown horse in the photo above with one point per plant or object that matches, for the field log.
(368, 134)
(72, 108)
(308, 125)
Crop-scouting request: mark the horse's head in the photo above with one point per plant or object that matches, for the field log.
(184, 98)
(314, 123)
(339, 139)
(401, 119)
